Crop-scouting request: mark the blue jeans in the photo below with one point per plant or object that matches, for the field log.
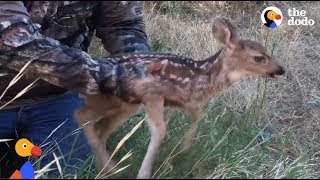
(51, 126)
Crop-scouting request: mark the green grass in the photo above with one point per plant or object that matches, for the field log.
(258, 128)
(228, 145)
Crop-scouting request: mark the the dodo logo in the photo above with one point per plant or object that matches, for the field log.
(16, 164)
(271, 17)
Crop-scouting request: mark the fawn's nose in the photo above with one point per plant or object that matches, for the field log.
(280, 71)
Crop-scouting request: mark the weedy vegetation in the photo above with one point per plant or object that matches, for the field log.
(259, 127)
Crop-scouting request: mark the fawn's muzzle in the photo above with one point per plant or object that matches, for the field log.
(278, 71)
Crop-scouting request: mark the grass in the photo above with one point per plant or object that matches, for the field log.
(258, 128)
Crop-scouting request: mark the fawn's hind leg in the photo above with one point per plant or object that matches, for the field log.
(154, 107)
(83, 117)
(106, 126)
(113, 112)
(196, 116)
(97, 133)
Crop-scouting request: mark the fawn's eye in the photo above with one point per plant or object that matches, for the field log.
(259, 59)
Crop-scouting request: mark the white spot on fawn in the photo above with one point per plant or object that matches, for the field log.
(164, 61)
(195, 65)
(172, 76)
(176, 64)
(186, 80)
(203, 66)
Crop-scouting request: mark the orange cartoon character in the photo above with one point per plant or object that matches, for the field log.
(270, 16)
(17, 164)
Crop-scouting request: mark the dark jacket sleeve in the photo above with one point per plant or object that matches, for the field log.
(52, 61)
(120, 26)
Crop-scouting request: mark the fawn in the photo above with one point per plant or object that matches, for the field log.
(158, 80)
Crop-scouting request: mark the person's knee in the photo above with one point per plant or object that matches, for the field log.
(71, 154)
(59, 134)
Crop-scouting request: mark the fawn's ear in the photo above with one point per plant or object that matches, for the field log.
(225, 32)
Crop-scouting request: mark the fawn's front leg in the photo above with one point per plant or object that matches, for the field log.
(154, 108)
(196, 116)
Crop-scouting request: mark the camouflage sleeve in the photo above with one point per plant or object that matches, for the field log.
(53, 62)
(120, 26)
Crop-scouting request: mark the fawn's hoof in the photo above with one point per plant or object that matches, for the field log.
(108, 169)
(144, 176)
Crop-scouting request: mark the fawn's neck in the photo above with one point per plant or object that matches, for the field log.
(219, 73)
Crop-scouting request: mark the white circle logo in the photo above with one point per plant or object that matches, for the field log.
(271, 17)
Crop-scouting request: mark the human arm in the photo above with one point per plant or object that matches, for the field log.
(121, 27)
(52, 61)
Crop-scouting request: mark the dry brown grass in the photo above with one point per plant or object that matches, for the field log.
(184, 28)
